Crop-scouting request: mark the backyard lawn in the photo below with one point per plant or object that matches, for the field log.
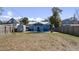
(29, 41)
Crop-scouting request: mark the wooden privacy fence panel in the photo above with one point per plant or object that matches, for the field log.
(70, 29)
(6, 29)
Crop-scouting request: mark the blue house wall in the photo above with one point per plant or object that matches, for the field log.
(39, 27)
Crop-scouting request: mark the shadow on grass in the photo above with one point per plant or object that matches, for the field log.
(70, 34)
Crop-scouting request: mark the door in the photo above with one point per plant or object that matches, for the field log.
(38, 29)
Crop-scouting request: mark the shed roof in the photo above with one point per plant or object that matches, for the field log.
(39, 23)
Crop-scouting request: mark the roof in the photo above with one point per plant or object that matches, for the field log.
(38, 23)
(71, 20)
(12, 21)
(70, 24)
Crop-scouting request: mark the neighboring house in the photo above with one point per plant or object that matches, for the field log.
(78, 22)
(71, 20)
(12, 21)
(39, 26)
(17, 25)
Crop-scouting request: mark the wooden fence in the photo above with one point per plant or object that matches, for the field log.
(6, 29)
(70, 29)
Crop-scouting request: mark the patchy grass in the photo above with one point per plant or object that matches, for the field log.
(30, 41)
(68, 36)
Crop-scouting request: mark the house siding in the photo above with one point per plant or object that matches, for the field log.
(42, 28)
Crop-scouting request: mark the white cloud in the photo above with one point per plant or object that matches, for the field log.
(36, 19)
(39, 19)
(17, 17)
(4, 18)
(31, 19)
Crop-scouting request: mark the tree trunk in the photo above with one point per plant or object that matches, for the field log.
(51, 28)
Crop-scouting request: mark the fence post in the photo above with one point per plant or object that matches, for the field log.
(5, 29)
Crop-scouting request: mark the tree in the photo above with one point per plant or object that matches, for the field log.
(25, 21)
(52, 23)
(55, 19)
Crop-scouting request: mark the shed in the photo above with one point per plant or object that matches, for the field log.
(39, 26)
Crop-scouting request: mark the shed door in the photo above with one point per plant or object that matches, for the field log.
(38, 29)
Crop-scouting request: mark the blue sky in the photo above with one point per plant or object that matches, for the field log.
(37, 12)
